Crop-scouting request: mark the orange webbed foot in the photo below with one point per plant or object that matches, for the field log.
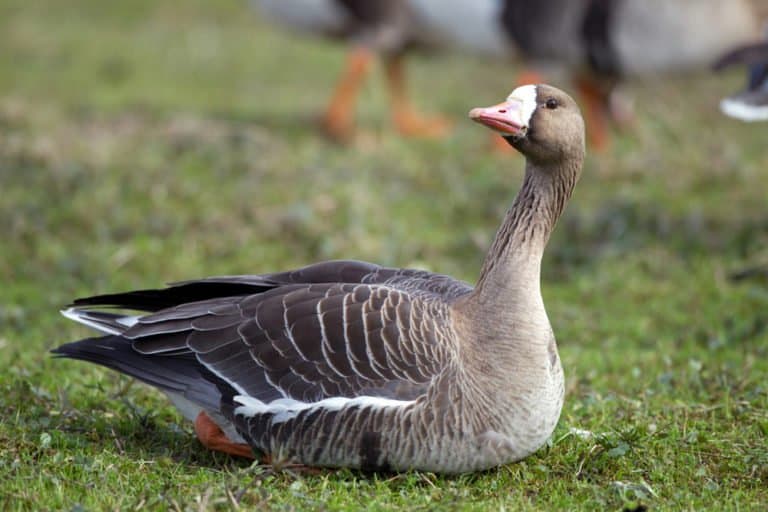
(213, 438)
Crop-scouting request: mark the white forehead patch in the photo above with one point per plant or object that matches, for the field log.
(527, 95)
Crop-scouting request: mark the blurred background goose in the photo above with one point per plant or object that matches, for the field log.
(373, 28)
(750, 104)
(346, 363)
(599, 42)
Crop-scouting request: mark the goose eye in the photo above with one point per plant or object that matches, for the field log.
(551, 104)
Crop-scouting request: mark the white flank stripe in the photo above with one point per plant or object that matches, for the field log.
(285, 409)
(527, 95)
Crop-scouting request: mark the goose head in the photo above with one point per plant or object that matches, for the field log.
(540, 121)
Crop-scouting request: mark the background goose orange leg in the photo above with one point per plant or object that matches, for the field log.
(213, 438)
(596, 102)
(338, 121)
(407, 120)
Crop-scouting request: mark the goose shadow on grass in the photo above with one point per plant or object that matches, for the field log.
(114, 425)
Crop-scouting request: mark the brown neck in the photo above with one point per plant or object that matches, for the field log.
(513, 262)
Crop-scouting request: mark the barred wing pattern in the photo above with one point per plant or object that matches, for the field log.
(308, 342)
(314, 364)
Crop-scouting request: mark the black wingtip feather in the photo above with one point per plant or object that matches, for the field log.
(162, 298)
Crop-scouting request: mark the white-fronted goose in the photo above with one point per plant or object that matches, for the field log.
(384, 28)
(349, 364)
(599, 41)
(751, 104)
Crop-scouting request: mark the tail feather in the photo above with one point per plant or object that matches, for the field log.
(180, 374)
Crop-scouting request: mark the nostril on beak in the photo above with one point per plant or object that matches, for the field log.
(502, 111)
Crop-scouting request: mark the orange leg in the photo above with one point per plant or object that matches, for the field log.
(595, 100)
(213, 438)
(338, 119)
(406, 119)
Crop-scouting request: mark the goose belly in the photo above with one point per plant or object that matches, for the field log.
(314, 16)
(532, 416)
(445, 434)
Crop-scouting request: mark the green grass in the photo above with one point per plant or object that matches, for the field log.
(147, 142)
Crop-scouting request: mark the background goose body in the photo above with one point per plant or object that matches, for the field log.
(626, 37)
(346, 363)
(599, 42)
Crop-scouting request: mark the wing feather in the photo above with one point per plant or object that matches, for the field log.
(342, 328)
(203, 342)
(309, 342)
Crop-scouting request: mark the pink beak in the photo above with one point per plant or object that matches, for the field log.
(506, 118)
